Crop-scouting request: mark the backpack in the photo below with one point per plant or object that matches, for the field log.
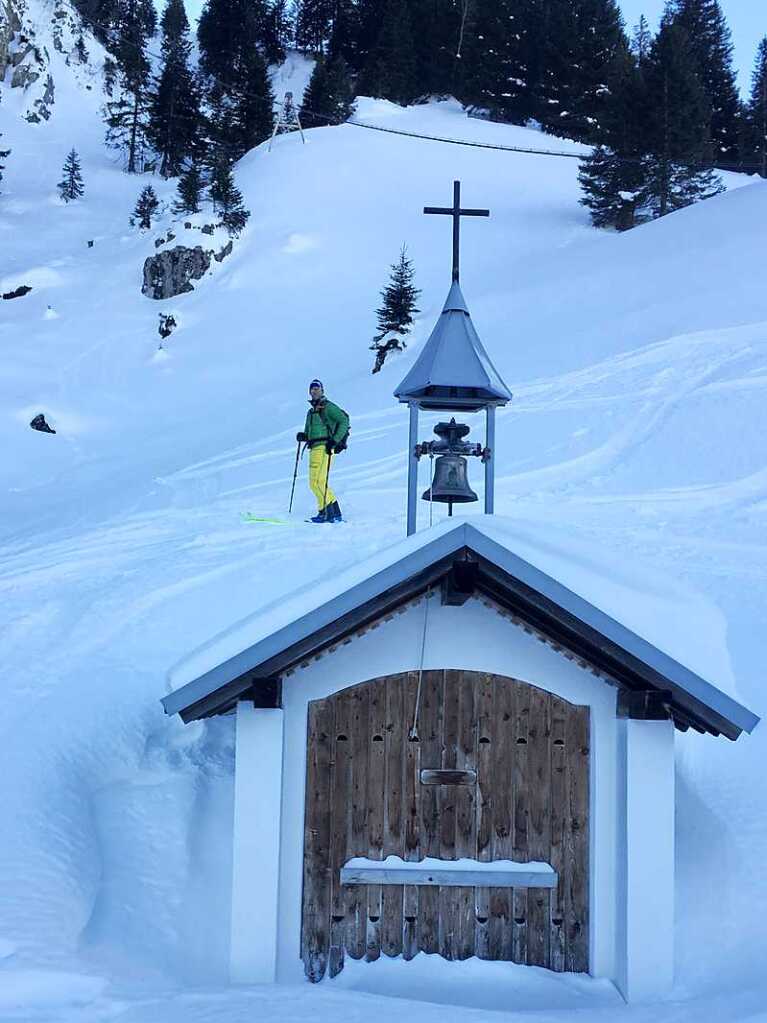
(345, 437)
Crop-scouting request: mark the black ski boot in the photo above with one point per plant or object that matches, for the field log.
(321, 516)
(334, 512)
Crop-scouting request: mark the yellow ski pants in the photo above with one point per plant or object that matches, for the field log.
(319, 464)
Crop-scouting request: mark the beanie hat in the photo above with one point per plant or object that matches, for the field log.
(316, 383)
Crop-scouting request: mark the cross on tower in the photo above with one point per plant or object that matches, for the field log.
(456, 213)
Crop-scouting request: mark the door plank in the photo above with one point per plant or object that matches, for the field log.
(376, 797)
(339, 829)
(539, 824)
(394, 832)
(430, 732)
(316, 894)
(559, 711)
(412, 814)
(484, 809)
(521, 789)
(356, 932)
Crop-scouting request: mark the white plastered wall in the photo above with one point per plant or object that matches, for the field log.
(477, 637)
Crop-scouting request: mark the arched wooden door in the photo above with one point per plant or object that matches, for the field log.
(365, 797)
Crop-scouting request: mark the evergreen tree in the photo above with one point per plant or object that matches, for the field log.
(677, 133)
(710, 44)
(254, 107)
(189, 191)
(444, 37)
(280, 26)
(110, 75)
(756, 113)
(641, 40)
(390, 71)
(174, 123)
(329, 98)
(146, 207)
(314, 24)
(127, 116)
(71, 185)
(579, 41)
(613, 177)
(227, 199)
(343, 41)
(222, 142)
(494, 59)
(100, 16)
(230, 31)
(240, 100)
(395, 316)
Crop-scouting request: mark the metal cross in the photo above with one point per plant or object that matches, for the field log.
(456, 213)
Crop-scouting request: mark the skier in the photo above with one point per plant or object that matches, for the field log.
(325, 434)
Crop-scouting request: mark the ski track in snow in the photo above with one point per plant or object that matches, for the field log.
(638, 425)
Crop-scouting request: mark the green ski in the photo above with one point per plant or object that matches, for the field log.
(265, 520)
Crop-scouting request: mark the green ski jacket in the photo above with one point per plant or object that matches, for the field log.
(326, 421)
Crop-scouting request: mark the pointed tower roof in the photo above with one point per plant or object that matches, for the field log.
(454, 370)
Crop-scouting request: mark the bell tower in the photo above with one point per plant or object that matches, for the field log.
(452, 374)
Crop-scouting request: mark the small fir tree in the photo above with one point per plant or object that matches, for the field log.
(396, 313)
(329, 98)
(189, 191)
(146, 208)
(71, 185)
(613, 175)
(227, 199)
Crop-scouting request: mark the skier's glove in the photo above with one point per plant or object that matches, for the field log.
(339, 447)
(301, 437)
(329, 447)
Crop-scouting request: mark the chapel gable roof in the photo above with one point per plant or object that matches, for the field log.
(463, 559)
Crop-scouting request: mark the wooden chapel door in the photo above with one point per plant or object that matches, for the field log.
(365, 796)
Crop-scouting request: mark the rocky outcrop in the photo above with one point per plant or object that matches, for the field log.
(39, 423)
(24, 56)
(10, 24)
(171, 272)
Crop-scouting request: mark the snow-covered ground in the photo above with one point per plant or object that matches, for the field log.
(639, 368)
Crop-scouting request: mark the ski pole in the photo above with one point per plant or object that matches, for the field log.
(295, 474)
(327, 479)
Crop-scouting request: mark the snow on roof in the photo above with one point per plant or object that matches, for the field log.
(662, 622)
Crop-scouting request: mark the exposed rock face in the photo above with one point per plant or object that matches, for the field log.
(170, 272)
(10, 24)
(25, 61)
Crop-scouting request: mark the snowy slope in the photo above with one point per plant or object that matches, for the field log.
(639, 366)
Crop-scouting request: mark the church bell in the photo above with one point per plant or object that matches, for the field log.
(450, 485)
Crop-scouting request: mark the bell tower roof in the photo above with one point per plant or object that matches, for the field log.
(453, 370)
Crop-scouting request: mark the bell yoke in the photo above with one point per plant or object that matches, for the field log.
(325, 433)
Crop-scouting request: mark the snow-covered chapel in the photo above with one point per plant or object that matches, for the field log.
(453, 748)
